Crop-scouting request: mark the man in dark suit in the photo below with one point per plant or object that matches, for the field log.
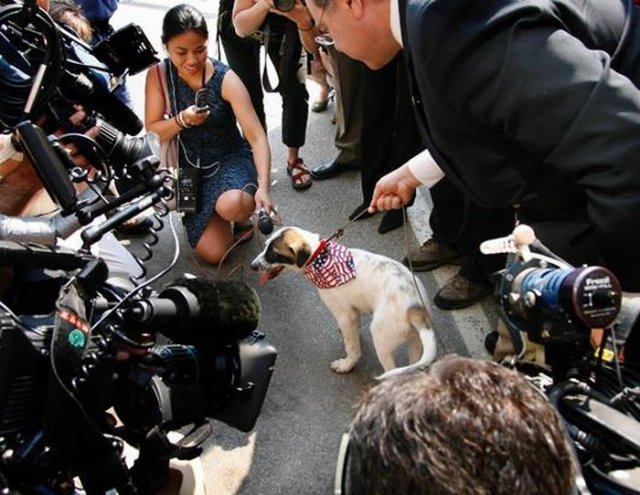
(523, 104)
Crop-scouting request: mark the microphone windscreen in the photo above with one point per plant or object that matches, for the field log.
(229, 310)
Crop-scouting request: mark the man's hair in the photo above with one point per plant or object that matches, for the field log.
(464, 426)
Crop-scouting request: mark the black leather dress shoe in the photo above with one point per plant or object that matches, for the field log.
(331, 169)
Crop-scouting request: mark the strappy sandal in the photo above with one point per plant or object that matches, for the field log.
(296, 171)
(242, 232)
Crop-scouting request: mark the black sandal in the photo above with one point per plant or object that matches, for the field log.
(296, 171)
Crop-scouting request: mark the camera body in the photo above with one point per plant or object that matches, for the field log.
(59, 377)
(65, 71)
(562, 308)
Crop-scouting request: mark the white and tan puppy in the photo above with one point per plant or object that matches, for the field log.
(352, 282)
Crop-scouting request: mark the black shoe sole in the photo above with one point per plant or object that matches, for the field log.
(333, 171)
(448, 304)
(427, 267)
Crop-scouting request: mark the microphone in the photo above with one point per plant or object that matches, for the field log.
(196, 311)
(522, 237)
(265, 224)
(94, 234)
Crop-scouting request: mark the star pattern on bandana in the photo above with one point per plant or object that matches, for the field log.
(333, 267)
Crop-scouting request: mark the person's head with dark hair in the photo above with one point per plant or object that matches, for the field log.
(183, 19)
(464, 426)
(70, 14)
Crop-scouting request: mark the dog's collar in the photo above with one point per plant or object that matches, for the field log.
(321, 247)
(331, 265)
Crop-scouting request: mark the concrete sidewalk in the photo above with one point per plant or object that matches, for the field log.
(294, 445)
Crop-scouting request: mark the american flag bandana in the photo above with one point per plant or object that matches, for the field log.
(332, 267)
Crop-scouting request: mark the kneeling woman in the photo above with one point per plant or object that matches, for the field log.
(234, 174)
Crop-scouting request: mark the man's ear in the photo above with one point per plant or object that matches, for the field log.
(356, 7)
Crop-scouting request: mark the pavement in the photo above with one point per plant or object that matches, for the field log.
(293, 448)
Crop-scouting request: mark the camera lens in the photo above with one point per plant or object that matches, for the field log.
(284, 5)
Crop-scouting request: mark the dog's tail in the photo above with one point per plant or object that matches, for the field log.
(421, 322)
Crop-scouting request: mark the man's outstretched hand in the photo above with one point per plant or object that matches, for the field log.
(394, 190)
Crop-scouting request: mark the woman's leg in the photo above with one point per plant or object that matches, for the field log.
(215, 240)
(232, 206)
(235, 205)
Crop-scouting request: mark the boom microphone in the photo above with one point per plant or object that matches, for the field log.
(195, 311)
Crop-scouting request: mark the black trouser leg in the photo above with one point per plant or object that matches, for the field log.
(244, 59)
(295, 98)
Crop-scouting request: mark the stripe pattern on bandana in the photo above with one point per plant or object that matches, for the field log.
(333, 267)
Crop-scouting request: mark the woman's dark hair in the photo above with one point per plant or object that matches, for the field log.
(181, 19)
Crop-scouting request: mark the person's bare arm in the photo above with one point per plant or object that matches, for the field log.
(234, 91)
(248, 15)
(18, 182)
(155, 106)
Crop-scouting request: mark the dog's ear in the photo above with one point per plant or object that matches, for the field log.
(302, 255)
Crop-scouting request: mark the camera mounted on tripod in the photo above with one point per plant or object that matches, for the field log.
(551, 302)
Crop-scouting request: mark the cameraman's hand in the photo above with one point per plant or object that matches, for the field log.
(299, 14)
(192, 118)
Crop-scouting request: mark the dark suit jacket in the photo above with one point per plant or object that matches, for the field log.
(535, 103)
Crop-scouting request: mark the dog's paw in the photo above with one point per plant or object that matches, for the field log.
(342, 365)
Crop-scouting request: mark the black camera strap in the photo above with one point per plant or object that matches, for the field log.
(289, 40)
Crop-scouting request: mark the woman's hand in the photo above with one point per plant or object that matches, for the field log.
(262, 199)
(393, 190)
(191, 118)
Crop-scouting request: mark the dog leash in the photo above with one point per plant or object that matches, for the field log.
(324, 242)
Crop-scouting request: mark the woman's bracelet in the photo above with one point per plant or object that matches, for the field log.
(181, 122)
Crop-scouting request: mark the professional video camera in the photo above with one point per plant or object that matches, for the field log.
(566, 309)
(99, 348)
(44, 74)
(61, 372)
(45, 69)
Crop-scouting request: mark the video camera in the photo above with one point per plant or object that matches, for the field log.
(566, 309)
(101, 349)
(42, 77)
(45, 69)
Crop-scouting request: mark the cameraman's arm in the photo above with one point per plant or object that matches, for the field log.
(248, 15)
(18, 180)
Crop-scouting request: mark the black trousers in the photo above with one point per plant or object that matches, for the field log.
(244, 59)
(458, 221)
(389, 132)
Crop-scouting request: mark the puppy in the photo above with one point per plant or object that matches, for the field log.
(351, 282)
